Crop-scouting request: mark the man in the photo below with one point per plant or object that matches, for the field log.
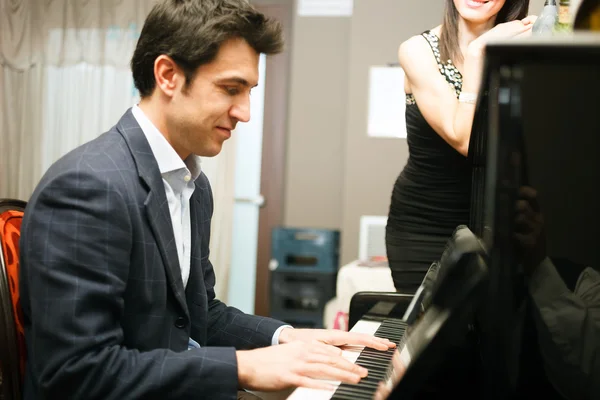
(116, 281)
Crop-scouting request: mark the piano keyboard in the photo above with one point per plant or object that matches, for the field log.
(377, 362)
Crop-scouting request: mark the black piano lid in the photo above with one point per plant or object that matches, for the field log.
(581, 47)
(533, 57)
(543, 102)
(455, 299)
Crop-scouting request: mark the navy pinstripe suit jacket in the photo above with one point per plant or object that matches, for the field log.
(106, 314)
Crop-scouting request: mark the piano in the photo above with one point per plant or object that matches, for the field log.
(539, 129)
(420, 345)
(375, 361)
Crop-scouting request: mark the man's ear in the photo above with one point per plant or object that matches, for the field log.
(167, 74)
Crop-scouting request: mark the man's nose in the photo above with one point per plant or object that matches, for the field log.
(241, 111)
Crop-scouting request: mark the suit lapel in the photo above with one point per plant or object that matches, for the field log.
(196, 244)
(157, 211)
(156, 205)
(196, 289)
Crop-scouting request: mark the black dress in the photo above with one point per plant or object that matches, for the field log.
(431, 197)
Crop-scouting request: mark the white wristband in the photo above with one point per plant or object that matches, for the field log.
(466, 97)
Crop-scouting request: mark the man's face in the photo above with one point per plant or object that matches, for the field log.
(202, 116)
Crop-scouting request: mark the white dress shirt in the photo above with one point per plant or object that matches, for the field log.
(178, 177)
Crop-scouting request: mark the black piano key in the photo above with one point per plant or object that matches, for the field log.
(370, 365)
(374, 356)
(376, 374)
(377, 362)
(351, 389)
(353, 396)
(366, 386)
(368, 391)
(368, 382)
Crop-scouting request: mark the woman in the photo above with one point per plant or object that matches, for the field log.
(443, 65)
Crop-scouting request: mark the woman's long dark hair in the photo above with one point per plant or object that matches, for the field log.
(449, 47)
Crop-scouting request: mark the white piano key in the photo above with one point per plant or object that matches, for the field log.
(350, 353)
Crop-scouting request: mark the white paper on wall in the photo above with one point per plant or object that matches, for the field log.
(325, 8)
(387, 102)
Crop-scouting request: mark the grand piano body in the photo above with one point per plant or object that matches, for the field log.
(423, 336)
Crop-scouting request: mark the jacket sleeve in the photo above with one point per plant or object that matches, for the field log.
(228, 326)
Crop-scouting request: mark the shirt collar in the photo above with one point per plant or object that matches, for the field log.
(166, 157)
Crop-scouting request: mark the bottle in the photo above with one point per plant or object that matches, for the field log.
(563, 22)
(588, 16)
(547, 19)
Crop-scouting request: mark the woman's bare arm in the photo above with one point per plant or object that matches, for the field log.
(437, 101)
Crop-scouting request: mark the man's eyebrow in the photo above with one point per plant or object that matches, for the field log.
(235, 79)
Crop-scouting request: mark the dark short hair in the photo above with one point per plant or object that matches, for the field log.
(449, 47)
(192, 31)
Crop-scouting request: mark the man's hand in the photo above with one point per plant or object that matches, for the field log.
(529, 229)
(303, 358)
(334, 338)
(295, 364)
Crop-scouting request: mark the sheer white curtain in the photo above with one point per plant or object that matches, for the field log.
(220, 171)
(82, 101)
(64, 67)
(20, 130)
(64, 79)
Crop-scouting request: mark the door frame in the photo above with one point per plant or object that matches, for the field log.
(272, 180)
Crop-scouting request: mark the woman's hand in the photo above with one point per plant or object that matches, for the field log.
(529, 20)
(506, 30)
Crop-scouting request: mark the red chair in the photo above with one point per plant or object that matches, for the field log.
(12, 337)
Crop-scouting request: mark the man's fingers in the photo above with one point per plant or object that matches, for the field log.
(526, 207)
(306, 382)
(327, 372)
(524, 223)
(326, 349)
(531, 196)
(525, 240)
(340, 338)
(338, 362)
(369, 341)
(386, 342)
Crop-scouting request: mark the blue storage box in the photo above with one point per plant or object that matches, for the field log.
(300, 249)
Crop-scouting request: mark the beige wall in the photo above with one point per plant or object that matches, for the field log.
(372, 165)
(334, 172)
(317, 119)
